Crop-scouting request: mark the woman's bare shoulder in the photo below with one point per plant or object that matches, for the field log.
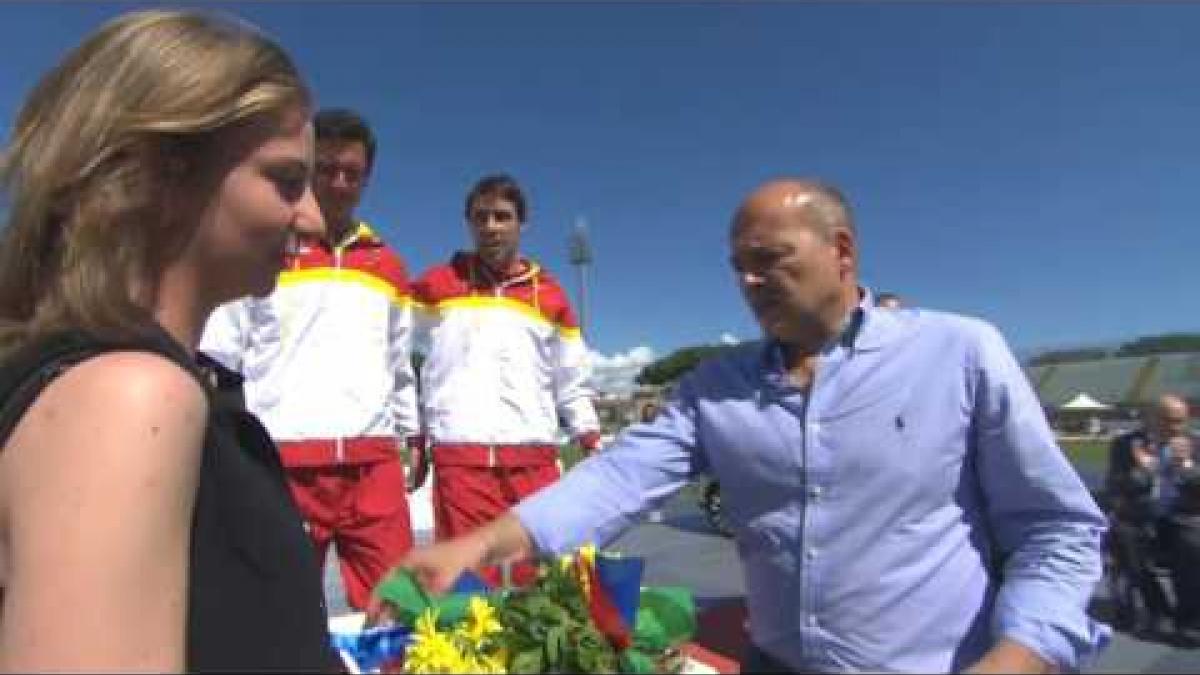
(127, 403)
(129, 381)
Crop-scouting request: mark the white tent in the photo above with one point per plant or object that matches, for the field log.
(1083, 402)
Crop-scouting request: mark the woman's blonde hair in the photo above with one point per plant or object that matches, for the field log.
(102, 142)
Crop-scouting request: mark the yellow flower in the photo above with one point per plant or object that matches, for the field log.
(483, 663)
(586, 557)
(481, 621)
(427, 622)
(433, 653)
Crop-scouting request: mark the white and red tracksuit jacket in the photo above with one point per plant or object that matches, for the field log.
(504, 361)
(326, 356)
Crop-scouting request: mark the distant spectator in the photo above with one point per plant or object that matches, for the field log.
(1180, 542)
(1162, 446)
(1145, 468)
(888, 301)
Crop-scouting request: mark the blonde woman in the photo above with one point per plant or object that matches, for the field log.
(161, 169)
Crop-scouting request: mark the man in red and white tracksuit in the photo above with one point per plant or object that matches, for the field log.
(326, 361)
(505, 362)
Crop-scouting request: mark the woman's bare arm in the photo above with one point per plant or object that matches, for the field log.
(97, 487)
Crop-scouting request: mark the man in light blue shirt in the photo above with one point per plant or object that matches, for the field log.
(898, 499)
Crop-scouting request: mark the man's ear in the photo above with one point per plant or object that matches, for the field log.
(846, 250)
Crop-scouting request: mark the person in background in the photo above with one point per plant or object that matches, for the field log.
(161, 169)
(505, 361)
(1150, 448)
(898, 499)
(327, 364)
(1145, 467)
(1179, 536)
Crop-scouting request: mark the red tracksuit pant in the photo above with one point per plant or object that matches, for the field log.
(465, 497)
(362, 508)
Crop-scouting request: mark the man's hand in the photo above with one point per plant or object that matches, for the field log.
(437, 567)
(1144, 457)
(1010, 656)
(589, 441)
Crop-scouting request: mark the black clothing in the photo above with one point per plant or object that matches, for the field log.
(255, 596)
(755, 660)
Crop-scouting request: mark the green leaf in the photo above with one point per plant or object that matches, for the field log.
(527, 662)
(556, 643)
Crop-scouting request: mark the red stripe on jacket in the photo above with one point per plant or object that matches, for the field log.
(365, 253)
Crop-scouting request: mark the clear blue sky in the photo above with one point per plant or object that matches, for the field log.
(1037, 165)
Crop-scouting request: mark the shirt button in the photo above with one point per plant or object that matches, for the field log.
(811, 553)
(814, 493)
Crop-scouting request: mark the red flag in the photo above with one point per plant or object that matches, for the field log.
(603, 610)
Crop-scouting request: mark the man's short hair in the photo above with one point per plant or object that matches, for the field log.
(343, 124)
(497, 185)
(833, 206)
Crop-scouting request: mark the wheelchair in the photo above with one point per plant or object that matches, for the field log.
(1136, 572)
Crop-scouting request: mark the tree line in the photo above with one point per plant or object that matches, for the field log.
(1170, 343)
(671, 367)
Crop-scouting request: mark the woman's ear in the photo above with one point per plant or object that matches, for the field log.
(181, 188)
(174, 188)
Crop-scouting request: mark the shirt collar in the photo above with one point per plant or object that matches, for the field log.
(878, 326)
(865, 329)
(361, 233)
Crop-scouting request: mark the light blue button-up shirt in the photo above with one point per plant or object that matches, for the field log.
(871, 509)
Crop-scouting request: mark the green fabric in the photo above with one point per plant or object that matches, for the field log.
(666, 617)
(402, 590)
(637, 662)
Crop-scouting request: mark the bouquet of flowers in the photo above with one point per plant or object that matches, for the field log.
(585, 613)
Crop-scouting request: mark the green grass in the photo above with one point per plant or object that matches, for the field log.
(1090, 453)
(570, 454)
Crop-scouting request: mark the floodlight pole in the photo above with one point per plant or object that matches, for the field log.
(580, 252)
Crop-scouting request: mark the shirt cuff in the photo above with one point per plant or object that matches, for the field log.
(546, 540)
(1066, 651)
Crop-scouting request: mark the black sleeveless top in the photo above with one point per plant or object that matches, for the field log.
(255, 597)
